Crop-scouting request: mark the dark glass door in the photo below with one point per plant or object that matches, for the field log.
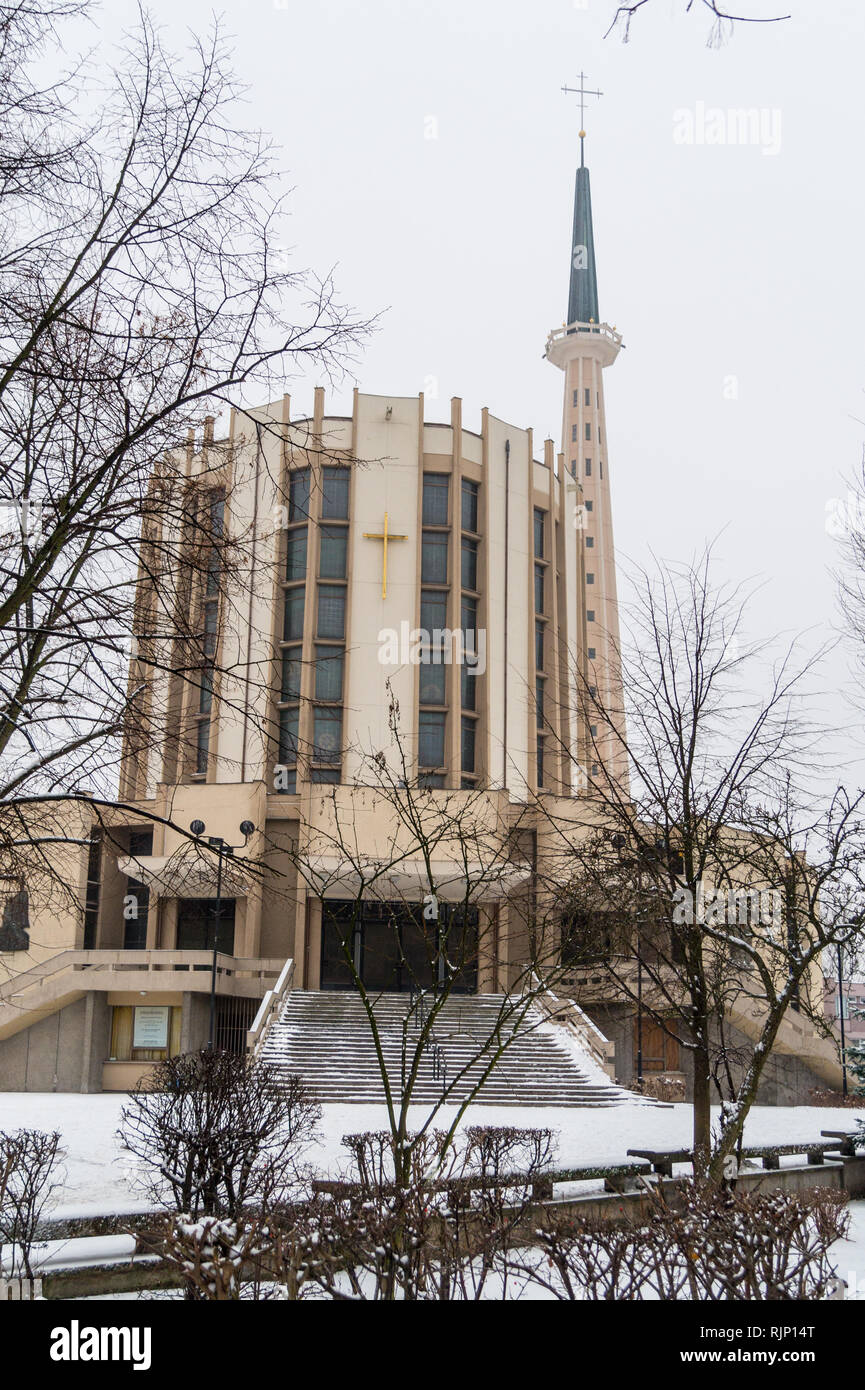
(380, 947)
(394, 948)
(459, 928)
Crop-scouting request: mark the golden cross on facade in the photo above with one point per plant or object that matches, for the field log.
(385, 536)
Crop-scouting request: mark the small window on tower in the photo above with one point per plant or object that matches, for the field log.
(590, 579)
(576, 399)
(590, 542)
(590, 506)
(592, 653)
(588, 429)
(590, 615)
(588, 396)
(574, 435)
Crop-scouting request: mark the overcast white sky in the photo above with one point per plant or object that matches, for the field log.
(714, 261)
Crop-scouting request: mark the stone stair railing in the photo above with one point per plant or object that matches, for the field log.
(568, 1014)
(270, 1010)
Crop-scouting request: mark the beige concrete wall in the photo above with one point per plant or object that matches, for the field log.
(63, 1052)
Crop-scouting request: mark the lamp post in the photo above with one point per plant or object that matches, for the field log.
(841, 1020)
(639, 1005)
(222, 848)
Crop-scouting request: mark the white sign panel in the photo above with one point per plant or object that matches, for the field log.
(151, 1026)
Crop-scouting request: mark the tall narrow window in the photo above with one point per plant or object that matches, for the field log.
(213, 519)
(540, 761)
(469, 505)
(291, 667)
(298, 495)
(433, 612)
(288, 735)
(468, 686)
(334, 493)
(539, 645)
(468, 744)
(327, 735)
(539, 530)
(539, 588)
(329, 663)
(588, 430)
(333, 550)
(331, 611)
(431, 682)
(295, 554)
(292, 626)
(434, 557)
(469, 623)
(469, 560)
(202, 746)
(435, 499)
(431, 738)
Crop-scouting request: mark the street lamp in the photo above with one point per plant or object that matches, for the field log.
(222, 848)
(841, 1020)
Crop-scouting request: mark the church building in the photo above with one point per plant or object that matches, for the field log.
(408, 604)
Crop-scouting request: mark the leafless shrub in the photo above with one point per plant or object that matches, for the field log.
(706, 1243)
(221, 1260)
(216, 1136)
(29, 1175)
(447, 1233)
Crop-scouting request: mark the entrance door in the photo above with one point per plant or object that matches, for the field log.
(395, 948)
(660, 1051)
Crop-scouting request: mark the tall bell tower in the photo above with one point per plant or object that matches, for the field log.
(582, 348)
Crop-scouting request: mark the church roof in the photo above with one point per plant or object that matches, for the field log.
(583, 295)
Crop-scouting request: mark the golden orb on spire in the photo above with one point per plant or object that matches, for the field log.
(582, 135)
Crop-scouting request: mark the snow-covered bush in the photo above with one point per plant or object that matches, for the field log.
(30, 1173)
(214, 1135)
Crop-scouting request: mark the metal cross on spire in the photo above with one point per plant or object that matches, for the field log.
(582, 92)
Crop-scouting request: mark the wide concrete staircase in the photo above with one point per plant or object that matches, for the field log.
(326, 1039)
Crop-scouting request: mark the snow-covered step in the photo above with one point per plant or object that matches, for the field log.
(326, 1039)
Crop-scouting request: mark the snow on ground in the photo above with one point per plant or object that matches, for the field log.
(99, 1171)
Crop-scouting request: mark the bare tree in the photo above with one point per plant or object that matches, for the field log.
(30, 1174)
(723, 19)
(143, 289)
(716, 879)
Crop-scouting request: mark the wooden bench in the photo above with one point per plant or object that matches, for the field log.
(849, 1139)
(662, 1160)
(615, 1177)
(771, 1154)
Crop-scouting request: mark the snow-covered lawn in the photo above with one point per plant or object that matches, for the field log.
(98, 1169)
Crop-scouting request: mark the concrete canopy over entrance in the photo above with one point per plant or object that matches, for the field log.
(329, 876)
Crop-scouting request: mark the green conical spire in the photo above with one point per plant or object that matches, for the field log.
(583, 295)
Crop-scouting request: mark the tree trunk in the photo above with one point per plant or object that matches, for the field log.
(702, 1102)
